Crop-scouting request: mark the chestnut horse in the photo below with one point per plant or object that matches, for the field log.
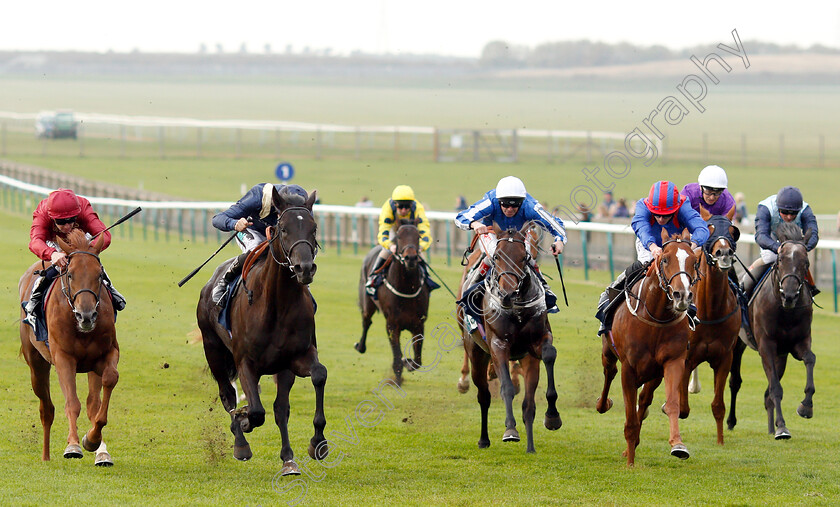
(82, 339)
(403, 298)
(650, 337)
(718, 314)
(272, 320)
(517, 328)
(780, 315)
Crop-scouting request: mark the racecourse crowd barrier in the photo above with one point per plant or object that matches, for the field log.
(591, 246)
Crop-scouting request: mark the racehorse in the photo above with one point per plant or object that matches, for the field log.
(82, 339)
(517, 328)
(650, 337)
(272, 321)
(780, 316)
(718, 317)
(403, 298)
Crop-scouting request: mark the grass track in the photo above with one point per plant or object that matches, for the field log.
(168, 432)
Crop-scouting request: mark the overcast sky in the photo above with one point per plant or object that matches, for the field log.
(447, 27)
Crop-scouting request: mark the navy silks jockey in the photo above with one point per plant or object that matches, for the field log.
(664, 208)
(257, 205)
(786, 206)
(401, 206)
(510, 206)
(57, 215)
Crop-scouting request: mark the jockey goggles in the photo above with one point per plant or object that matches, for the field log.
(64, 221)
(712, 190)
(403, 204)
(511, 202)
(788, 211)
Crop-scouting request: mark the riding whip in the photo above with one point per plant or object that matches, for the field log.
(196, 270)
(746, 269)
(562, 284)
(136, 210)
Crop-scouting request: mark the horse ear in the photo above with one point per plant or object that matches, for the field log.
(65, 246)
(686, 236)
(310, 201)
(527, 225)
(807, 236)
(711, 229)
(731, 213)
(97, 246)
(417, 221)
(704, 214)
(735, 232)
(276, 200)
(664, 235)
(497, 229)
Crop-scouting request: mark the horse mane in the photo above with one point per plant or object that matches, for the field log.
(77, 239)
(788, 231)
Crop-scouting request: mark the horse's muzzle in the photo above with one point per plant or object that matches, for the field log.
(305, 273)
(724, 259)
(85, 320)
(682, 300)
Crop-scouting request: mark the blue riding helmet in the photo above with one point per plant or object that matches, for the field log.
(789, 198)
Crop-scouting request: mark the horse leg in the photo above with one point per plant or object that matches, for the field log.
(609, 360)
(220, 361)
(515, 373)
(367, 318)
(39, 375)
(66, 369)
(306, 366)
(552, 419)
(674, 371)
(285, 381)
(251, 385)
(501, 358)
(688, 376)
(803, 350)
(646, 398)
(479, 360)
(411, 364)
(735, 381)
(463, 383)
(694, 383)
(396, 351)
(773, 395)
(531, 367)
(721, 369)
(632, 427)
(108, 380)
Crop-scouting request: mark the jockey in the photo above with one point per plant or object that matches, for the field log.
(401, 206)
(664, 208)
(786, 206)
(250, 216)
(54, 217)
(710, 192)
(510, 206)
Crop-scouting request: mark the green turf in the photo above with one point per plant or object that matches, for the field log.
(168, 432)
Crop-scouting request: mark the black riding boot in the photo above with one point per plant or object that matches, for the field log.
(117, 298)
(369, 288)
(234, 270)
(37, 297)
(748, 282)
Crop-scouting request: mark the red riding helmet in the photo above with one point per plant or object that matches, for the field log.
(664, 198)
(63, 204)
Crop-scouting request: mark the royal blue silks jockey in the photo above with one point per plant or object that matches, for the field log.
(664, 208)
(510, 206)
(250, 216)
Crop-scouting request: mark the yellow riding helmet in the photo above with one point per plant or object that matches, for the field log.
(402, 193)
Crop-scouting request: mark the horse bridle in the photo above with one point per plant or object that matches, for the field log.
(287, 252)
(794, 275)
(664, 284)
(65, 286)
(520, 277)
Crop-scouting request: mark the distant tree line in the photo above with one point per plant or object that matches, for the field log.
(585, 53)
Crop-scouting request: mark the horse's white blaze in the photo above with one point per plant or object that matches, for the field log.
(682, 255)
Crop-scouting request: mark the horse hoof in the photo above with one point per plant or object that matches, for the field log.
(103, 459)
(553, 423)
(511, 435)
(320, 451)
(88, 445)
(805, 411)
(463, 386)
(601, 409)
(73, 451)
(290, 468)
(410, 364)
(680, 451)
(782, 434)
(483, 444)
(242, 453)
(361, 348)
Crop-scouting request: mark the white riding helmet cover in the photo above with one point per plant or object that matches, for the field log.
(510, 186)
(712, 176)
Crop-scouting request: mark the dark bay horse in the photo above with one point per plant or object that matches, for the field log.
(780, 315)
(403, 298)
(272, 320)
(82, 339)
(517, 328)
(718, 314)
(650, 337)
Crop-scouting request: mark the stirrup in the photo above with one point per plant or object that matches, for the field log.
(472, 325)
